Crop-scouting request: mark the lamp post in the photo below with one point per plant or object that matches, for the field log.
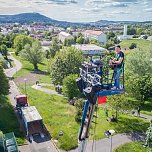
(25, 85)
(110, 133)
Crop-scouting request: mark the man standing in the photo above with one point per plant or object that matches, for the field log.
(118, 62)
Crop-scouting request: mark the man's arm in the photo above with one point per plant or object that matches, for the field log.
(119, 61)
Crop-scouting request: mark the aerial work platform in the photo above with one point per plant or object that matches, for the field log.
(96, 80)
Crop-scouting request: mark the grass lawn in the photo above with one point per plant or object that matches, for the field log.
(147, 108)
(49, 87)
(131, 147)
(125, 124)
(8, 120)
(140, 43)
(11, 50)
(28, 67)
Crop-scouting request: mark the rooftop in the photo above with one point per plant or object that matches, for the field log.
(64, 33)
(94, 32)
(90, 49)
(31, 114)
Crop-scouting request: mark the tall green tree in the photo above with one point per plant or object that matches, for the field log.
(34, 54)
(80, 40)
(55, 47)
(120, 102)
(110, 35)
(141, 88)
(139, 74)
(4, 50)
(65, 62)
(4, 86)
(20, 41)
(139, 62)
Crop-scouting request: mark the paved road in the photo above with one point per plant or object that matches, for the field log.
(38, 144)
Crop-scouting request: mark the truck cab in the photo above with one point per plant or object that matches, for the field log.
(21, 101)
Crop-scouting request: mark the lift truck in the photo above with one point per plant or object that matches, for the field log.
(96, 80)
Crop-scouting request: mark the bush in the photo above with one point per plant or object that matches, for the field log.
(70, 88)
(79, 107)
(133, 45)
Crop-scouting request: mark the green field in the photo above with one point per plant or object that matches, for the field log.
(140, 43)
(8, 120)
(131, 147)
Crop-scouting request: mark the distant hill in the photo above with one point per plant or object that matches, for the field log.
(106, 22)
(36, 17)
(24, 18)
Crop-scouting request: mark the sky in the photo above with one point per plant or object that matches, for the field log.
(82, 10)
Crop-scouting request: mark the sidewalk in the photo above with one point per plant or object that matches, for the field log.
(40, 88)
(103, 145)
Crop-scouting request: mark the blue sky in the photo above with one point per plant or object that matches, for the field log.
(82, 10)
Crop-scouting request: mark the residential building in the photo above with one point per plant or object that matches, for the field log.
(95, 35)
(64, 35)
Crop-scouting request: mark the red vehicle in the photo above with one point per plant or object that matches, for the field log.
(21, 101)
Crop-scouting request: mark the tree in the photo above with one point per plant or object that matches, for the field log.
(70, 88)
(110, 35)
(54, 48)
(93, 41)
(108, 44)
(68, 42)
(4, 50)
(20, 41)
(141, 88)
(120, 102)
(138, 74)
(33, 54)
(65, 62)
(4, 86)
(80, 40)
(140, 31)
(139, 62)
(131, 31)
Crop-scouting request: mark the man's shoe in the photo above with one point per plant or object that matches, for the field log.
(114, 88)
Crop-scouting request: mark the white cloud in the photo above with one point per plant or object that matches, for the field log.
(81, 10)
